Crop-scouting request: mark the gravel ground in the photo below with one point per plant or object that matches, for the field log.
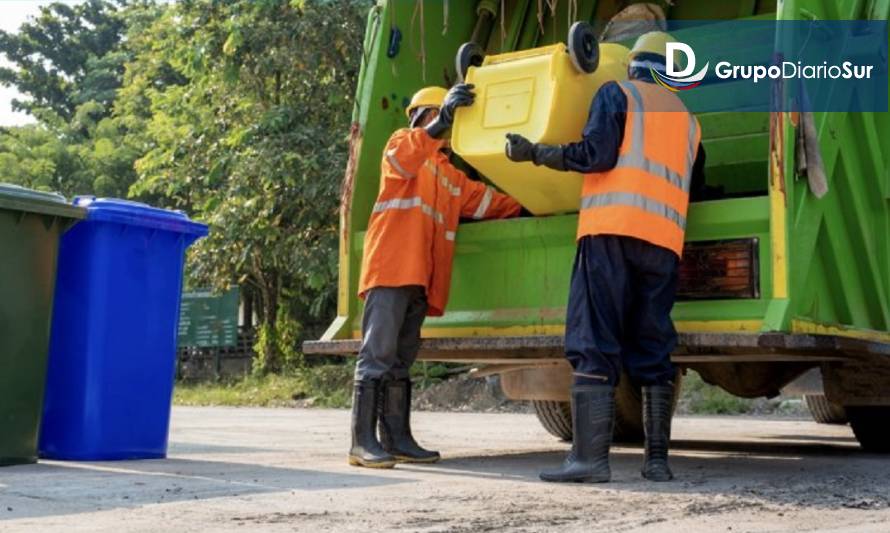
(284, 470)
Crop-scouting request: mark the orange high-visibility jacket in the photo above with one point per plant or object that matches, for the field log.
(410, 237)
(646, 195)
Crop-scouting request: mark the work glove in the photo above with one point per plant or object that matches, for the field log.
(521, 149)
(458, 96)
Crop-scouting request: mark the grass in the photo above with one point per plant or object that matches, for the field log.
(317, 386)
(697, 397)
(330, 385)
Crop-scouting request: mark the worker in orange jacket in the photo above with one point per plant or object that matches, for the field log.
(406, 270)
(641, 156)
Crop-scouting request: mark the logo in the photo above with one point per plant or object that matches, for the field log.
(682, 80)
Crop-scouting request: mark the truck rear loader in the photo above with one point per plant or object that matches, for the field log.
(775, 281)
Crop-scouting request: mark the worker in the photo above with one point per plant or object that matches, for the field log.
(640, 155)
(406, 270)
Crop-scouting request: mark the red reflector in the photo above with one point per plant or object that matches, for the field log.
(719, 270)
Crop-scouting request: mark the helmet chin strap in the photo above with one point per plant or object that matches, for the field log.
(641, 68)
(418, 116)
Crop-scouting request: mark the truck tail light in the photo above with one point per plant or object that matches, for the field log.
(725, 269)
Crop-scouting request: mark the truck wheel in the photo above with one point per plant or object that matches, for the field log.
(584, 48)
(870, 425)
(556, 417)
(629, 409)
(824, 411)
(468, 55)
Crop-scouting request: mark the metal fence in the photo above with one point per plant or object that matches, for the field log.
(201, 364)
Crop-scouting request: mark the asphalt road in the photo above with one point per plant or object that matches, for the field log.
(285, 470)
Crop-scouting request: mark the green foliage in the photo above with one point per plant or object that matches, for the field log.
(64, 57)
(251, 136)
(319, 386)
(70, 62)
(426, 374)
(235, 111)
(700, 398)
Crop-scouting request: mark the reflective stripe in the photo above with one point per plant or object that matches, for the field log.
(636, 160)
(443, 179)
(634, 200)
(394, 163)
(409, 203)
(692, 147)
(483, 205)
(449, 235)
(660, 67)
(636, 157)
(398, 203)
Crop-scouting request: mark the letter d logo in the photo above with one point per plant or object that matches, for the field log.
(672, 50)
(679, 80)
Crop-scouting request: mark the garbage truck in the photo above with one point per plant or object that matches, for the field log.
(785, 271)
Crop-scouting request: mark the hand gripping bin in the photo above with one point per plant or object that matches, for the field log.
(113, 347)
(31, 224)
(542, 95)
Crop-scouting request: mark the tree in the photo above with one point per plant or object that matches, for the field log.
(62, 58)
(70, 61)
(249, 132)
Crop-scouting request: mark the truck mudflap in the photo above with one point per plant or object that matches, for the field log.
(692, 348)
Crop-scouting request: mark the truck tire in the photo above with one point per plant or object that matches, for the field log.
(824, 411)
(556, 417)
(870, 425)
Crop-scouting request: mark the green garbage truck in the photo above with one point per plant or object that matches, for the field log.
(776, 281)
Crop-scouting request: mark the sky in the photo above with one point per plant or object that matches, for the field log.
(12, 14)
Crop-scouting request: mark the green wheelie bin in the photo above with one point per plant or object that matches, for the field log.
(31, 223)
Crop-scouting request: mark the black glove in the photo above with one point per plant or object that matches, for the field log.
(521, 149)
(458, 96)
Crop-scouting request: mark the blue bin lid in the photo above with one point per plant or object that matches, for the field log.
(138, 214)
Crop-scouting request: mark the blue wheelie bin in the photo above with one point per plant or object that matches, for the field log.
(112, 355)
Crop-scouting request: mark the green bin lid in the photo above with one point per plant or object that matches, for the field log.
(18, 198)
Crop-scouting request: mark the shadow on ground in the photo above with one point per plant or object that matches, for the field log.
(811, 474)
(55, 488)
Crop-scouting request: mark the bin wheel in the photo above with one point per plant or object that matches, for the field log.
(468, 55)
(584, 49)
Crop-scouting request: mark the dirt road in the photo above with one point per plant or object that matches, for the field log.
(285, 470)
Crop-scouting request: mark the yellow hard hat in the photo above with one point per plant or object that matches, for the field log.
(427, 97)
(654, 42)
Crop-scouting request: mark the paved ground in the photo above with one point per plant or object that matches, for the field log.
(285, 470)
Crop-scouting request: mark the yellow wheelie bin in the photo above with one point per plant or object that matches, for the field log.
(543, 94)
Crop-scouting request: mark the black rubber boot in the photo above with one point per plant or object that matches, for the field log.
(395, 425)
(658, 401)
(366, 449)
(593, 412)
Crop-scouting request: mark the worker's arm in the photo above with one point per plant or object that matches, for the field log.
(407, 150)
(480, 201)
(698, 189)
(597, 151)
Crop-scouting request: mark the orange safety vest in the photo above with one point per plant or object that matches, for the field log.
(646, 194)
(410, 237)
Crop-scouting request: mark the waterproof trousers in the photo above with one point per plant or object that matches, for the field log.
(618, 316)
(391, 326)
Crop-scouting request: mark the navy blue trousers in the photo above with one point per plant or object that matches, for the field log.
(618, 316)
